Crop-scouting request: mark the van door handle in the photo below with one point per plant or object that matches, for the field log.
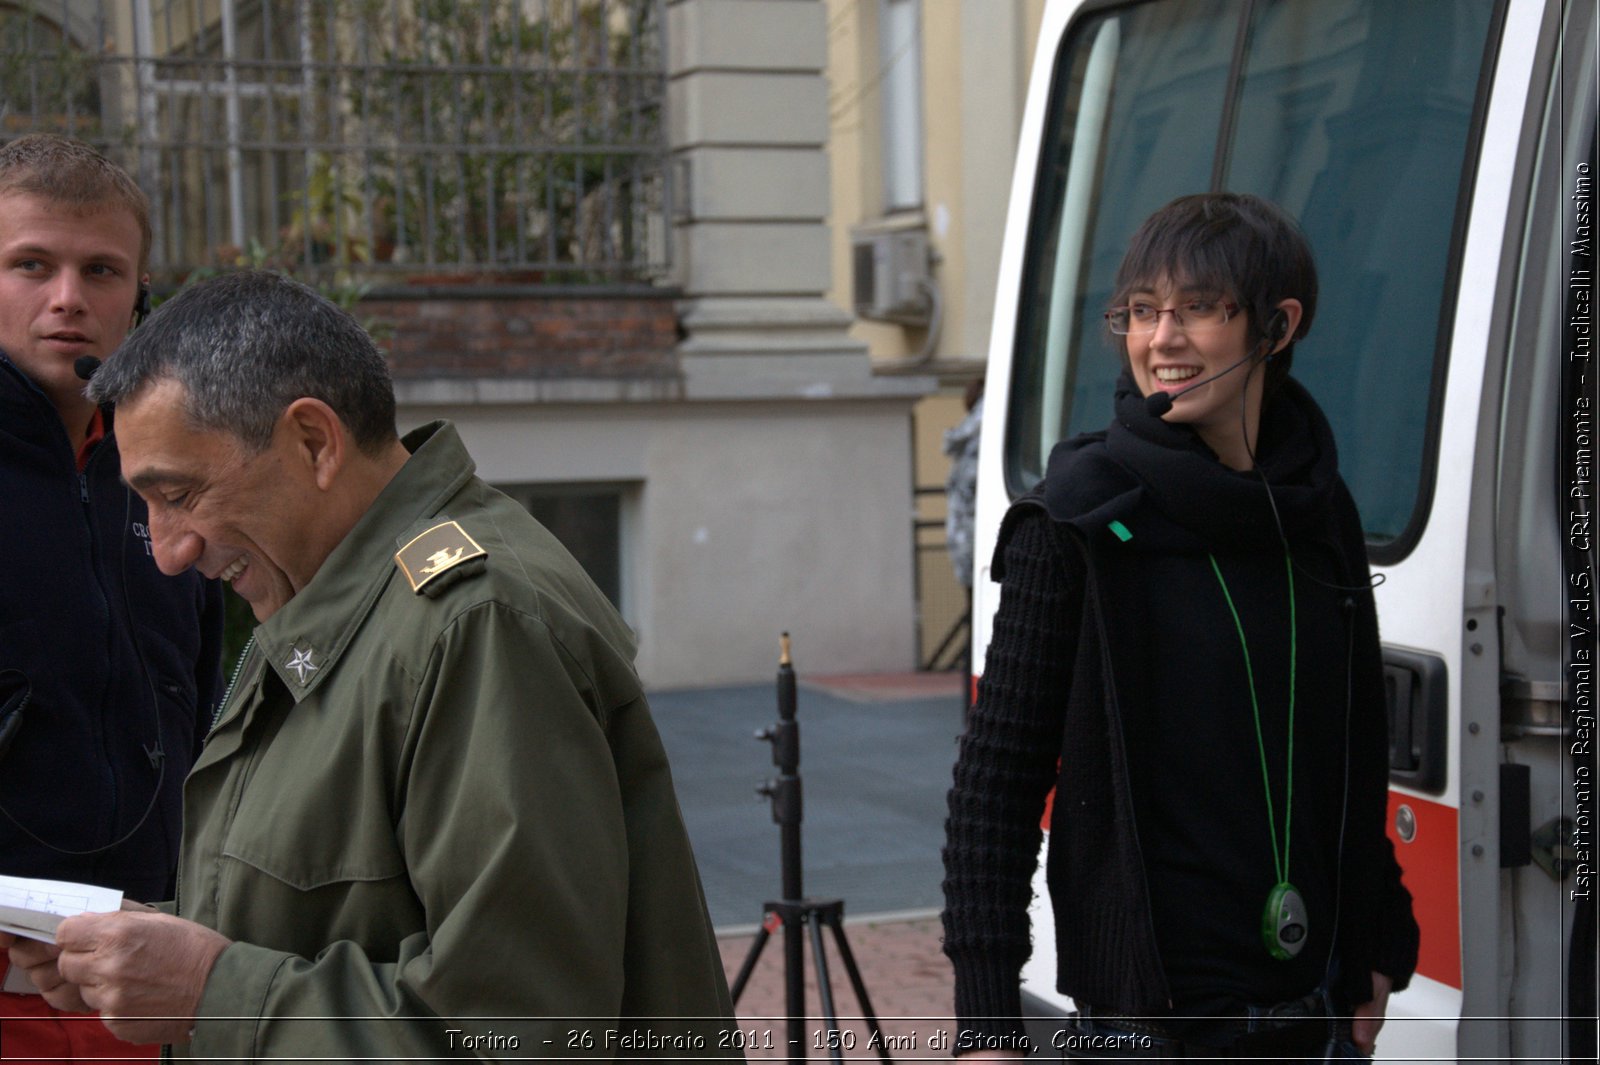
(1417, 695)
(1553, 850)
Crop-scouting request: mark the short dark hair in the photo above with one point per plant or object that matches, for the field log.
(1234, 244)
(246, 345)
(73, 175)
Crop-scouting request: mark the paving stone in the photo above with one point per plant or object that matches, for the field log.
(907, 978)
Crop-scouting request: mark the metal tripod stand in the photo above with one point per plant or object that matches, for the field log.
(795, 913)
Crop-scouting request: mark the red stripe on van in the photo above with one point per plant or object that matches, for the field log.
(1431, 870)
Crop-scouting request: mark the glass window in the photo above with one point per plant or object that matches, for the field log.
(587, 519)
(900, 61)
(1354, 115)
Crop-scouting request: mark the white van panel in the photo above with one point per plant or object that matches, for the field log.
(991, 497)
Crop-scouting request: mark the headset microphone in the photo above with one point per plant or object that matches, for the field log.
(1158, 403)
(85, 366)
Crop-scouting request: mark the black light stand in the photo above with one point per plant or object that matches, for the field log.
(795, 912)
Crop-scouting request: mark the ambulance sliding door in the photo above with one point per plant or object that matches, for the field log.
(1527, 933)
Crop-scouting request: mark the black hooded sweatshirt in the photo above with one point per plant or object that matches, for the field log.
(108, 658)
(1116, 652)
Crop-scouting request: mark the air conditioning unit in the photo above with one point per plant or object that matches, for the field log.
(890, 275)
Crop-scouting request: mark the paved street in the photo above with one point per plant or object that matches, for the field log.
(875, 758)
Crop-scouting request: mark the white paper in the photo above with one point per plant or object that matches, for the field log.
(33, 908)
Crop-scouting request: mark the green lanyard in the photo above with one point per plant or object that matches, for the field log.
(1283, 920)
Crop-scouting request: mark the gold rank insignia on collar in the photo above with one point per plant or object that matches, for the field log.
(435, 552)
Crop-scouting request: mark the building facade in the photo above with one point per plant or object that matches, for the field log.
(925, 102)
(593, 233)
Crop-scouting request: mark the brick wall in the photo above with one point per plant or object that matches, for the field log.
(528, 336)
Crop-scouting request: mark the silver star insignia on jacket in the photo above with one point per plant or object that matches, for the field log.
(302, 665)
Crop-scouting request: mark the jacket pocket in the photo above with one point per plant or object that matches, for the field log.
(306, 865)
(24, 678)
(15, 692)
(172, 675)
(311, 836)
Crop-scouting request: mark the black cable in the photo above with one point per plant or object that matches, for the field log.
(1244, 428)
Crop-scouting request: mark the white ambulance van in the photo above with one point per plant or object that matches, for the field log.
(1440, 157)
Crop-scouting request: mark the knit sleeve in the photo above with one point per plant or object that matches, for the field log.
(1006, 765)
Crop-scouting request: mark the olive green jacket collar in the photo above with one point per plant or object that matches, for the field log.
(304, 639)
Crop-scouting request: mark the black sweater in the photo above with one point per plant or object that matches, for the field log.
(1069, 675)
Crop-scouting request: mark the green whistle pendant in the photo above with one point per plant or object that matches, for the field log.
(1283, 922)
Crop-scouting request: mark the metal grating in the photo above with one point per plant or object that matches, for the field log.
(510, 141)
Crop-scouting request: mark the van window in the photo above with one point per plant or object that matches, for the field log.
(1356, 116)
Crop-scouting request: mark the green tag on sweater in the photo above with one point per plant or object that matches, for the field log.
(1121, 530)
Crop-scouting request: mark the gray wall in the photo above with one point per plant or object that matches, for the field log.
(749, 519)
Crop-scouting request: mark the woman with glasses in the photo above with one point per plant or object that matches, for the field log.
(1186, 660)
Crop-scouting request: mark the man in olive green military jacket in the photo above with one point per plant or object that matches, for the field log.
(433, 816)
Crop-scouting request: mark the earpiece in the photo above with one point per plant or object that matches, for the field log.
(141, 304)
(1277, 327)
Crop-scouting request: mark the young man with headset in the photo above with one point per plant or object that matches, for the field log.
(1187, 649)
(109, 670)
